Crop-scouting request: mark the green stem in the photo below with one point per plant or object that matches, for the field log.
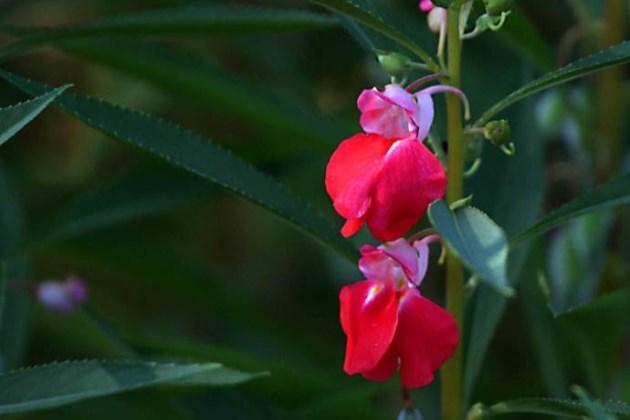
(611, 94)
(452, 370)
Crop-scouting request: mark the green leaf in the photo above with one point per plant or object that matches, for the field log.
(601, 60)
(476, 240)
(552, 407)
(15, 117)
(173, 21)
(14, 303)
(369, 19)
(196, 155)
(521, 35)
(611, 194)
(132, 196)
(575, 260)
(64, 383)
(289, 124)
(513, 212)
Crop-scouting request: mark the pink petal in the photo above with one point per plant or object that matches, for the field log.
(369, 316)
(351, 173)
(410, 179)
(425, 5)
(427, 336)
(387, 113)
(404, 254)
(397, 95)
(422, 248)
(375, 264)
(423, 118)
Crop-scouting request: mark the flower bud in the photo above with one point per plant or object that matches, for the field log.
(498, 132)
(436, 19)
(425, 5)
(496, 7)
(395, 64)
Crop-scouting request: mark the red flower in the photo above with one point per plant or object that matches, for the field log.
(389, 325)
(386, 183)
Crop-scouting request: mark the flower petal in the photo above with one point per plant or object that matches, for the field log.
(385, 368)
(427, 336)
(387, 113)
(369, 316)
(410, 179)
(423, 117)
(375, 264)
(351, 172)
(422, 248)
(404, 255)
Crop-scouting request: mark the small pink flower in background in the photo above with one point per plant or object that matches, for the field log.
(398, 113)
(389, 325)
(426, 5)
(66, 296)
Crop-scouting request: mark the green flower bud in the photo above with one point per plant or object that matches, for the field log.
(395, 64)
(498, 132)
(496, 7)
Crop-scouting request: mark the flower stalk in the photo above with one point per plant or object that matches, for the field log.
(452, 370)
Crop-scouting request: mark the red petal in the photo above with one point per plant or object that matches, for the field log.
(351, 172)
(369, 315)
(427, 336)
(410, 179)
(351, 227)
(385, 368)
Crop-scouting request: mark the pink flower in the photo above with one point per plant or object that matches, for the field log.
(385, 182)
(389, 325)
(426, 5)
(397, 113)
(64, 296)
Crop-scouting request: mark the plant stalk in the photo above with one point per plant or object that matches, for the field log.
(452, 371)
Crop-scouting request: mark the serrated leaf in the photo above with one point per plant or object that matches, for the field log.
(371, 20)
(180, 20)
(196, 155)
(15, 117)
(478, 241)
(64, 383)
(601, 60)
(552, 407)
(611, 194)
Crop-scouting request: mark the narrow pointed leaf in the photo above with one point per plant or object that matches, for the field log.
(15, 117)
(613, 56)
(196, 155)
(476, 240)
(64, 383)
(552, 407)
(371, 20)
(611, 194)
(172, 21)
(14, 303)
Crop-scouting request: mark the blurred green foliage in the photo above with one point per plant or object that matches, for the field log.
(179, 269)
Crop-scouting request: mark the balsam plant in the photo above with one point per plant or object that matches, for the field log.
(472, 166)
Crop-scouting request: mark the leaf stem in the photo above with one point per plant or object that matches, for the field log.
(452, 370)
